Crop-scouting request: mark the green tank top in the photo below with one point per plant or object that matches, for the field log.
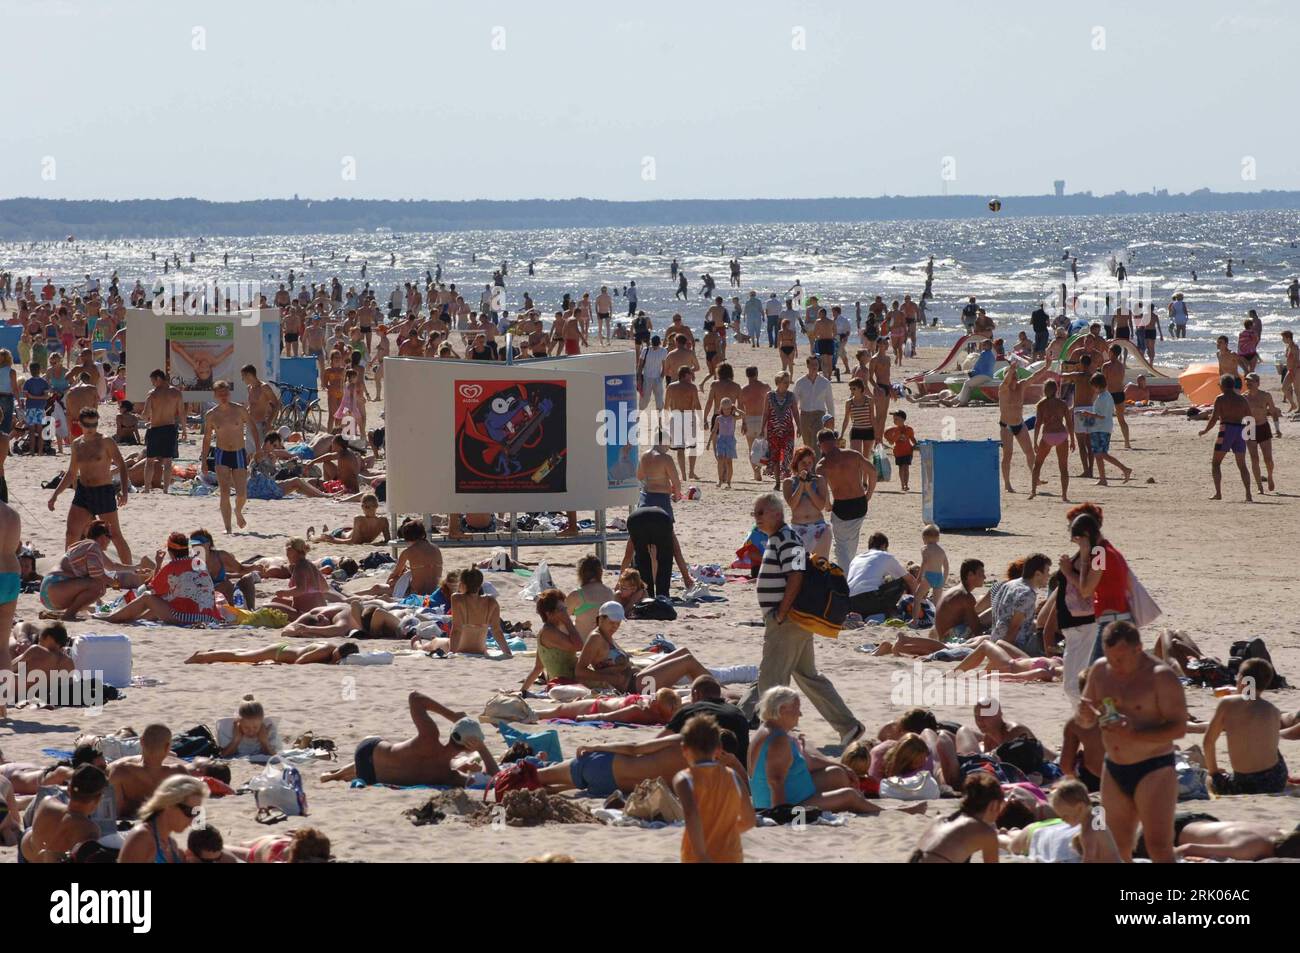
(558, 663)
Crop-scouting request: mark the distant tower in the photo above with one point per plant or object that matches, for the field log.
(1059, 186)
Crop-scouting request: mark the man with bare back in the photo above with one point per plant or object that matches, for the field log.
(821, 336)
(94, 457)
(229, 424)
(163, 410)
(753, 398)
(1142, 709)
(1053, 427)
(682, 405)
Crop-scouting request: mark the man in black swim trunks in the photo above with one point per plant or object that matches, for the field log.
(163, 409)
(847, 475)
(1141, 707)
(94, 457)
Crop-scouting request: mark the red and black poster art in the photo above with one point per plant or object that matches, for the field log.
(510, 437)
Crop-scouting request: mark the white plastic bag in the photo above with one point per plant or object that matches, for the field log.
(279, 785)
(540, 582)
(758, 453)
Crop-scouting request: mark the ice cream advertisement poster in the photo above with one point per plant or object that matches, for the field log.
(510, 437)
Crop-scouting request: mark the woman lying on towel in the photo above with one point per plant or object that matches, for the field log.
(283, 653)
(356, 619)
(656, 709)
(1010, 664)
(180, 594)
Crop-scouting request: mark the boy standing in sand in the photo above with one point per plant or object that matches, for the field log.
(714, 792)
(1102, 422)
(902, 439)
(934, 570)
(1253, 726)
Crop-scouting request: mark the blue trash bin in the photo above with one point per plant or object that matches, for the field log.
(961, 483)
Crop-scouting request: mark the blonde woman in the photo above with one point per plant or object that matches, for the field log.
(8, 388)
(172, 809)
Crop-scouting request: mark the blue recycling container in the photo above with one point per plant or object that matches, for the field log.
(961, 484)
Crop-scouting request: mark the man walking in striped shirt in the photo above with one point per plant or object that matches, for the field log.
(787, 647)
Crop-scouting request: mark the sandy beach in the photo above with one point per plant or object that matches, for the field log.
(1221, 571)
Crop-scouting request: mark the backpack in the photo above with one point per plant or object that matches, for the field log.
(1023, 753)
(822, 604)
(198, 742)
(519, 776)
(1209, 672)
(508, 708)
(1249, 649)
(658, 609)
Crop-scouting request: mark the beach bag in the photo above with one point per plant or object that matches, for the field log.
(758, 452)
(823, 600)
(1140, 604)
(653, 800)
(509, 708)
(519, 776)
(884, 469)
(922, 786)
(1023, 753)
(658, 609)
(279, 786)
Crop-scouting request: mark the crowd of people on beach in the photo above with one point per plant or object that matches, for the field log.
(732, 757)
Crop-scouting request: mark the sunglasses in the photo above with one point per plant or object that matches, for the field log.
(189, 810)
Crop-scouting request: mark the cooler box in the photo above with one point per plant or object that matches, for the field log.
(961, 484)
(107, 654)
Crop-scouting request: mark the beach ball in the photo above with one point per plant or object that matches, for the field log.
(995, 205)
(693, 493)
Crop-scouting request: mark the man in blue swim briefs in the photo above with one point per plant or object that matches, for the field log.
(600, 770)
(1140, 705)
(424, 759)
(1231, 413)
(230, 426)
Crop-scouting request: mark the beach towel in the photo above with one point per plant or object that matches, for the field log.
(368, 658)
(542, 742)
(226, 733)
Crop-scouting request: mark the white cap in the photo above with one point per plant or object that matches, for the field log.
(613, 610)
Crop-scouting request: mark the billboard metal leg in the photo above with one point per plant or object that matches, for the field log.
(601, 547)
(514, 537)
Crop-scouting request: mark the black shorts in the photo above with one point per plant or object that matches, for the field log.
(824, 346)
(1118, 397)
(162, 442)
(862, 433)
(96, 500)
(290, 337)
(904, 461)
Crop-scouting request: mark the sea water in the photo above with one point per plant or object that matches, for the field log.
(1009, 264)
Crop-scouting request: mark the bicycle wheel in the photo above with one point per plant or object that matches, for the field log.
(314, 418)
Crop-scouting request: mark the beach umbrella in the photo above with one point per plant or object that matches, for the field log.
(1200, 382)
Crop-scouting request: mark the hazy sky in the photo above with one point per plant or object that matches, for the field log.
(639, 100)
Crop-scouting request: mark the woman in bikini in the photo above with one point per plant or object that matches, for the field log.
(282, 653)
(225, 569)
(591, 594)
(788, 344)
(1053, 427)
(1010, 663)
(171, 809)
(970, 829)
(656, 709)
(807, 498)
(602, 664)
(473, 616)
(779, 415)
(307, 587)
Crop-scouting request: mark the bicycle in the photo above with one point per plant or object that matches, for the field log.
(301, 412)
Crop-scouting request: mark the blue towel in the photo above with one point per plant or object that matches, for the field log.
(543, 742)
